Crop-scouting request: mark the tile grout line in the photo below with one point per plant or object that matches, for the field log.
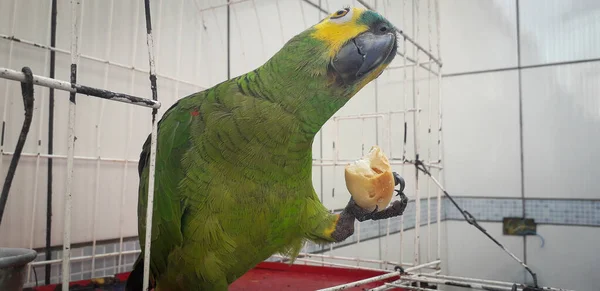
(527, 67)
(521, 148)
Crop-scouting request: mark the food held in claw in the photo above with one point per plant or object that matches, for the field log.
(370, 180)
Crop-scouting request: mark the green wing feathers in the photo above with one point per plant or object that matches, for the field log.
(233, 181)
(174, 131)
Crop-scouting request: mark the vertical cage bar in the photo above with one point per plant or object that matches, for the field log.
(362, 136)
(362, 148)
(280, 21)
(35, 183)
(37, 158)
(301, 12)
(50, 170)
(156, 38)
(68, 196)
(416, 128)
(334, 145)
(376, 93)
(404, 81)
(319, 15)
(322, 144)
(239, 33)
(152, 165)
(439, 141)
(8, 82)
(388, 129)
(260, 32)
(229, 40)
(128, 139)
(336, 152)
(98, 133)
(405, 108)
(429, 109)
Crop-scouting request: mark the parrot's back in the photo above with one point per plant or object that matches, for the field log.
(231, 185)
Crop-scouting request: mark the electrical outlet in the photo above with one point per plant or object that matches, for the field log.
(518, 226)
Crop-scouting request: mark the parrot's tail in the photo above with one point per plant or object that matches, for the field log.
(136, 277)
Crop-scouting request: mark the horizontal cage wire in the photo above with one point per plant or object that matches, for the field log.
(97, 156)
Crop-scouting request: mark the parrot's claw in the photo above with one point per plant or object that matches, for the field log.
(368, 215)
(396, 209)
(399, 180)
(360, 213)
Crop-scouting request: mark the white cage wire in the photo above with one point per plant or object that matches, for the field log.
(401, 112)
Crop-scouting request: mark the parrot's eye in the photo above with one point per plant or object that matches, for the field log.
(341, 15)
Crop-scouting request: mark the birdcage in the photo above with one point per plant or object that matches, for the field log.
(74, 196)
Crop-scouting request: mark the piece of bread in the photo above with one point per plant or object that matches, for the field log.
(370, 180)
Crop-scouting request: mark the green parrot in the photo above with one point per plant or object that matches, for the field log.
(233, 164)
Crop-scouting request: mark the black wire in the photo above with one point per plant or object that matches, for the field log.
(47, 250)
(35, 276)
(471, 219)
(27, 92)
(316, 6)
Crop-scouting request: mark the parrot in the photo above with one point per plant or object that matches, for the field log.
(233, 174)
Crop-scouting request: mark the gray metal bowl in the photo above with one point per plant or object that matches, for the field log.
(13, 263)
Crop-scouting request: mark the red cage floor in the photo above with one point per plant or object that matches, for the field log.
(265, 276)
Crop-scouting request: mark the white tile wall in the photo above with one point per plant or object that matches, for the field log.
(471, 254)
(478, 35)
(559, 30)
(481, 134)
(561, 120)
(568, 258)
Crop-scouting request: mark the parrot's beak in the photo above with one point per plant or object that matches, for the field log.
(363, 54)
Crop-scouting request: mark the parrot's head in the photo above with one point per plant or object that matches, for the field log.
(350, 48)
(359, 44)
(317, 71)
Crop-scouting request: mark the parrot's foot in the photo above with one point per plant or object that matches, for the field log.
(396, 209)
(344, 224)
(358, 212)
